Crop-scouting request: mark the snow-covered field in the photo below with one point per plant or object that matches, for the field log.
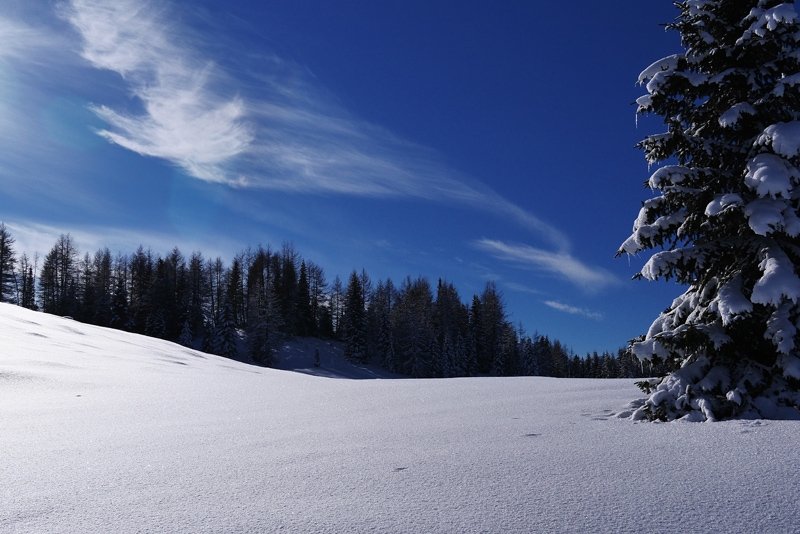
(103, 431)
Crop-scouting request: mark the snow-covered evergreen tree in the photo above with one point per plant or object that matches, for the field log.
(725, 213)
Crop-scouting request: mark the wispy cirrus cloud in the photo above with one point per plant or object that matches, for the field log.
(319, 150)
(560, 264)
(288, 136)
(573, 310)
(183, 121)
(15, 38)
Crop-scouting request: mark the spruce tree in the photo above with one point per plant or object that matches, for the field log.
(320, 316)
(355, 322)
(58, 281)
(187, 336)
(225, 337)
(27, 284)
(337, 307)
(305, 319)
(383, 302)
(7, 262)
(725, 213)
(120, 314)
(264, 318)
(415, 336)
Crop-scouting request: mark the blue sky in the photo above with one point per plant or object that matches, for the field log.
(471, 141)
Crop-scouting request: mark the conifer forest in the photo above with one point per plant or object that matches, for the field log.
(245, 308)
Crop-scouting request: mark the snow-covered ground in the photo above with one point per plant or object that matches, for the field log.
(103, 431)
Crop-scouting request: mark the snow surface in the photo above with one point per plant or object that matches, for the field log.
(732, 116)
(784, 137)
(104, 431)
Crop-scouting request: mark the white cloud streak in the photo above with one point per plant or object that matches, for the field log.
(322, 153)
(15, 39)
(573, 310)
(184, 121)
(288, 136)
(560, 264)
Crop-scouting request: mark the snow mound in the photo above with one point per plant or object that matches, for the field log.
(105, 431)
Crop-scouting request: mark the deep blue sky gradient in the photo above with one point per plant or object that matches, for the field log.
(525, 103)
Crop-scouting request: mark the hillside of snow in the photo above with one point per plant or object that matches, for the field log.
(105, 431)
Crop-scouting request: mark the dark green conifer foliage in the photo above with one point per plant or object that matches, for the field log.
(235, 294)
(187, 336)
(196, 294)
(59, 278)
(383, 304)
(225, 338)
(141, 267)
(725, 213)
(319, 309)
(304, 316)
(264, 319)
(120, 316)
(27, 284)
(7, 263)
(355, 322)
(414, 332)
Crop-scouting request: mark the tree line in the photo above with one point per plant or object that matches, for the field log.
(246, 308)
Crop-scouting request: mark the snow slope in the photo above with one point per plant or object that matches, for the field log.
(104, 431)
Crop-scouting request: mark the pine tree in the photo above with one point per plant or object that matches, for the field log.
(196, 294)
(725, 213)
(337, 307)
(447, 312)
(120, 317)
(543, 355)
(187, 336)
(160, 302)
(264, 318)
(305, 319)
(383, 303)
(493, 325)
(320, 315)
(103, 283)
(59, 278)
(7, 262)
(225, 337)
(234, 292)
(27, 283)
(528, 365)
(156, 325)
(355, 322)
(476, 334)
(141, 267)
(286, 288)
(414, 331)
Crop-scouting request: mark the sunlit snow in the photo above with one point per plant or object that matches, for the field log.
(104, 431)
